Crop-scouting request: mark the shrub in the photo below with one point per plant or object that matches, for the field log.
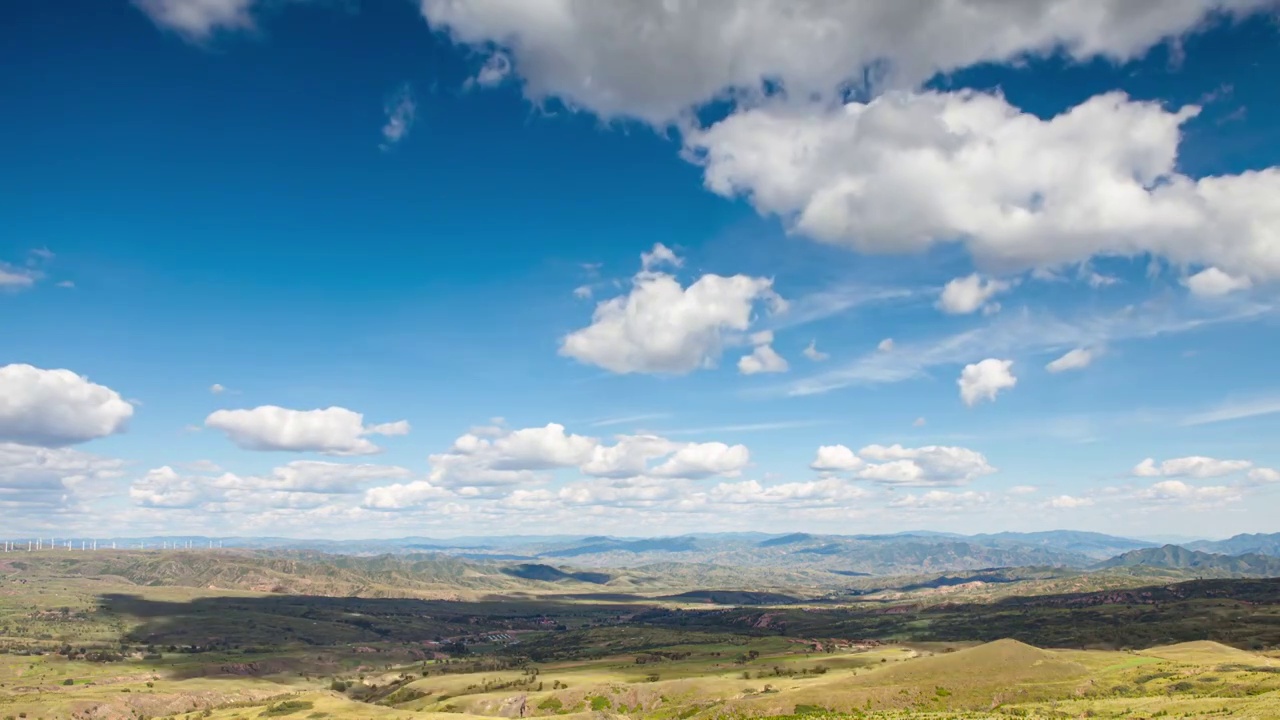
(286, 707)
(599, 702)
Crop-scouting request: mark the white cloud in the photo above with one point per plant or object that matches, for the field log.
(1068, 502)
(400, 496)
(496, 68)
(1264, 475)
(815, 492)
(1076, 359)
(885, 345)
(697, 460)
(1194, 466)
(941, 500)
(163, 487)
(918, 422)
(628, 457)
(333, 431)
(812, 352)
(1237, 410)
(1023, 490)
(657, 257)
(835, 458)
(1212, 282)
(984, 380)
(763, 358)
(217, 389)
(929, 466)
(197, 19)
(57, 407)
(401, 110)
(583, 292)
(34, 478)
(661, 327)
(540, 449)
(907, 171)
(656, 61)
(1170, 491)
(968, 294)
(16, 278)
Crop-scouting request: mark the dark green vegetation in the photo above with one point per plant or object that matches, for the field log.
(1211, 564)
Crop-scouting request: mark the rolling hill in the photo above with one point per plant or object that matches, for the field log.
(1202, 563)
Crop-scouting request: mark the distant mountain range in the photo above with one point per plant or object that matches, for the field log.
(1206, 564)
(906, 553)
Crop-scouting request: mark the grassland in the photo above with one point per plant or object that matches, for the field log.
(110, 645)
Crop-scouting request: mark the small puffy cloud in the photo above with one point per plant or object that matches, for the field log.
(812, 352)
(53, 408)
(15, 278)
(1023, 490)
(1175, 491)
(217, 389)
(1068, 502)
(968, 294)
(984, 380)
(496, 68)
(401, 110)
(929, 466)
(1212, 282)
(540, 449)
(835, 458)
(697, 460)
(1076, 359)
(583, 292)
(941, 500)
(163, 487)
(1264, 475)
(919, 422)
(763, 358)
(312, 476)
(886, 345)
(198, 19)
(657, 257)
(332, 431)
(628, 457)
(401, 496)
(1194, 466)
(34, 478)
(816, 492)
(662, 327)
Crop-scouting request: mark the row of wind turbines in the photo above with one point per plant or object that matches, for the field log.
(53, 543)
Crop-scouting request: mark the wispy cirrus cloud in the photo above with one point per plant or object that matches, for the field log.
(1237, 410)
(1020, 333)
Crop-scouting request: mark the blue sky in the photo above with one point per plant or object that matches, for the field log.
(436, 213)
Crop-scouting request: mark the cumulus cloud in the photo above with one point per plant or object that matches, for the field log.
(655, 61)
(298, 484)
(400, 496)
(217, 388)
(984, 380)
(198, 19)
(1212, 282)
(698, 460)
(815, 492)
(518, 457)
(1068, 502)
(906, 171)
(812, 352)
(835, 458)
(929, 466)
(763, 358)
(968, 294)
(662, 327)
(332, 431)
(53, 408)
(496, 68)
(1076, 359)
(401, 110)
(941, 500)
(1177, 491)
(14, 279)
(1194, 466)
(657, 257)
(885, 345)
(40, 478)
